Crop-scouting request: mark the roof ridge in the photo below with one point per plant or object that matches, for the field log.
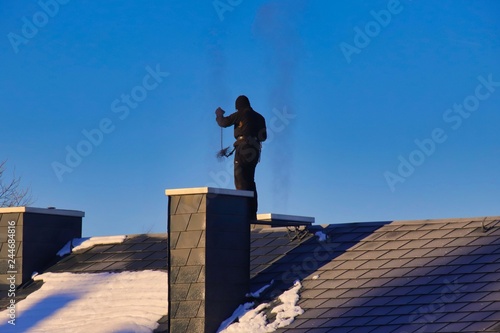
(450, 220)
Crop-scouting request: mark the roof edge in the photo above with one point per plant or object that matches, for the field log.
(450, 220)
(405, 222)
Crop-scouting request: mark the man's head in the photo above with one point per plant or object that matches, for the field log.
(242, 103)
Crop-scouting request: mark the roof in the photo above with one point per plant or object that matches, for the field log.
(134, 253)
(401, 276)
(393, 276)
(106, 275)
(119, 302)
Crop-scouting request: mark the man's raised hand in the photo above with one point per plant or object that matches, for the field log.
(219, 112)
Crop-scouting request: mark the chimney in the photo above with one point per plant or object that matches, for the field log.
(209, 256)
(30, 238)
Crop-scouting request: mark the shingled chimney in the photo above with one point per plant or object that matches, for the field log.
(209, 256)
(30, 238)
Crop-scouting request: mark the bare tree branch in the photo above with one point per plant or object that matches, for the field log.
(11, 192)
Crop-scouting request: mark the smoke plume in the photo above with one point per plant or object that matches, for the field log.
(277, 26)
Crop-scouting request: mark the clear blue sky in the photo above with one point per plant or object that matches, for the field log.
(379, 110)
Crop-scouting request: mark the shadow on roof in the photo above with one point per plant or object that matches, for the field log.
(277, 257)
(30, 317)
(135, 253)
(442, 290)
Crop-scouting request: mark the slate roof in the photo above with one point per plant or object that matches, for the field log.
(407, 276)
(399, 276)
(135, 253)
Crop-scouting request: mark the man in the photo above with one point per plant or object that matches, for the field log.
(249, 132)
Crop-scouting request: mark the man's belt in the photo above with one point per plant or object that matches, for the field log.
(241, 137)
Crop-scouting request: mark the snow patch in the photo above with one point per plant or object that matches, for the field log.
(256, 294)
(68, 247)
(237, 314)
(89, 242)
(77, 244)
(255, 321)
(321, 236)
(98, 303)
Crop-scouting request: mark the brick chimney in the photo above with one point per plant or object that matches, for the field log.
(30, 238)
(209, 256)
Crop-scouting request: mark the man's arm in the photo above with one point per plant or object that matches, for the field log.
(224, 121)
(262, 136)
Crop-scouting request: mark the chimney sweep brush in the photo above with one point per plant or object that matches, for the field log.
(223, 152)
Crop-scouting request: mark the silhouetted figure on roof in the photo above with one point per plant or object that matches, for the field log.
(249, 132)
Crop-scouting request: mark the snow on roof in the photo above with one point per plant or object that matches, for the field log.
(101, 302)
(321, 236)
(77, 244)
(255, 320)
(256, 294)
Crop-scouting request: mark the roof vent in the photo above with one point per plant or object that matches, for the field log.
(297, 226)
(280, 220)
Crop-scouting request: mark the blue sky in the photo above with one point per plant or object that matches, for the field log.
(378, 110)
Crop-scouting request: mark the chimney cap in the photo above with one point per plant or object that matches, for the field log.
(49, 211)
(208, 190)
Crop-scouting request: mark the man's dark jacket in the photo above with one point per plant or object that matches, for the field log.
(247, 124)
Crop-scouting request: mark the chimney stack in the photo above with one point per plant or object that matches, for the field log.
(30, 238)
(209, 256)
